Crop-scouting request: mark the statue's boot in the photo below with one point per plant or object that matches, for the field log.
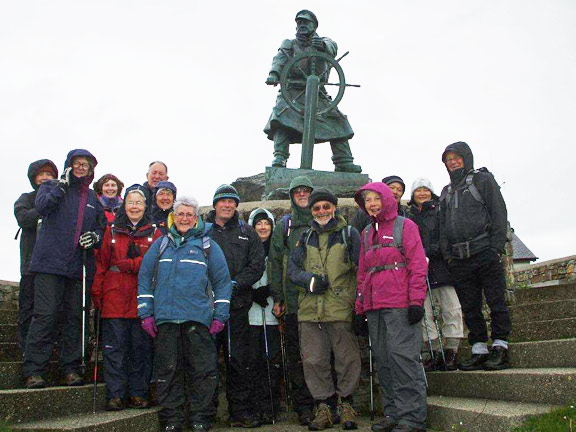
(342, 157)
(281, 149)
(279, 161)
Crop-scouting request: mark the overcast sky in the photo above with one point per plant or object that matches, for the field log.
(183, 81)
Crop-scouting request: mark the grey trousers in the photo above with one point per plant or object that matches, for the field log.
(396, 347)
(317, 341)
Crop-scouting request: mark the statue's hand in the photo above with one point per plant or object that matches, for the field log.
(318, 43)
(273, 79)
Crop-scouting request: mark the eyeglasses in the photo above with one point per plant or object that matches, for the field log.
(326, 206)
(453, 158)
(300, 190)
(83, 165)
(184, 215)
(136, 203)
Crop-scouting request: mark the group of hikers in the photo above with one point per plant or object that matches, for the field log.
(284, 300)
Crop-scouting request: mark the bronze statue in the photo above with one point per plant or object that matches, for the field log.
(302, 67)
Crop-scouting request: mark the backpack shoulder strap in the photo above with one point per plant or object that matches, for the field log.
(472, 187)
(242, 225)
(161, 249)
(347, 241)
(287, 219)
(398, 233)
(206, 247)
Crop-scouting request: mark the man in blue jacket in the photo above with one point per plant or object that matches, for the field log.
(73, 221)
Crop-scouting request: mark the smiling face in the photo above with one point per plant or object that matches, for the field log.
(185, 218)
(301, 195)
(453, 161)
(397, 190)
(263, 228)
(165, 199)
(156, 173)
(225, 209)
(80, 166)
(422, 195)
(372, 203)
(323, 212)
(110, 189)
(135, 207)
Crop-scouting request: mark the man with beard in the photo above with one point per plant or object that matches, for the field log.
(285, 126)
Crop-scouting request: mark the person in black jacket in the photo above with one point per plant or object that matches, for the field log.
(246, 262)
(423, 209)
(473, 221)
(28, 220)
(162, 204)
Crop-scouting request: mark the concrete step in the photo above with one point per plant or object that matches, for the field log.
(8, 316)
(479, 415)
(566, 291)
(11, 373)
(538, 354)
(8, 333)
(555, 386)
(18, 406)
(10, 351)
(542, 311)
(564, 328)
(126, 420)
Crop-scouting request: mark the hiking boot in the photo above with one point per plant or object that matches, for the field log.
(431, 362)
(498, 359)
(473, 363)
(74, 380)
(266, 418)
(115, 404)
(450, 356)
(305, 417)
(406, 428)
(348, 167)
(323, 418)
(35, 382)
(137, 402)
(244, 420)
(385, 425)
(279, 161)
(200, 427)
(173, 428)
(347, 416)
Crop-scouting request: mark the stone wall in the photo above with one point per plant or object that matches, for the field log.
(561, 269)
(9, 294)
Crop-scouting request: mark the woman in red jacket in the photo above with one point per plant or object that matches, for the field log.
(127, 348)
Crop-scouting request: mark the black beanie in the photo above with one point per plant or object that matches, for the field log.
(394, 179)
(322, 195)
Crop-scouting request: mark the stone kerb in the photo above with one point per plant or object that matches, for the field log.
(561, 269)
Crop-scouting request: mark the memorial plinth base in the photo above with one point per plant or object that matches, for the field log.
(341, 184)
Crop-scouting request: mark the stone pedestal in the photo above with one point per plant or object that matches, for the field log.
(342, 184)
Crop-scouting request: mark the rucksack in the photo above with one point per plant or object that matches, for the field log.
(287, 219)
(470, 186)
(397, 242)
(344, 232)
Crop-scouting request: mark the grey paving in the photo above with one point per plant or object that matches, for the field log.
(547, 293)
(543, 330)
(541, 311)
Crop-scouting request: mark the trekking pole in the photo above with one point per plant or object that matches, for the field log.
(268, 365)
(424, 372)
(285, 371)
(371, 377)
(432, 356)
(229, 342)
(83, 337)
(435, 316)
(95, 378)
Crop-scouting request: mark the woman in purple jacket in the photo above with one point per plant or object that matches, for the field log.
(391, 292)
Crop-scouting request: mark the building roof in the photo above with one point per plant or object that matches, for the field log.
(521, 251)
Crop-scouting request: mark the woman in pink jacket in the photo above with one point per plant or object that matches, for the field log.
(391, 292)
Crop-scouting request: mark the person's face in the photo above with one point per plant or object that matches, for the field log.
(300, 195)
(110, 189)
(135, 206)
(156, 173)
(397, 191)
(185, 218)
(454, 161)
(373, 203)
(263, 228)
(225, 208)
(323, 211)
(303, 26)
(422, 195)
(42, 177)
(165, 199)
(80, 166)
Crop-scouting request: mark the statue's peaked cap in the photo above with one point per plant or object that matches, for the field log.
(307, 15)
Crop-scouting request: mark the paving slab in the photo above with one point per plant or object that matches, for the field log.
(548, 293)
(10, 351)
(543, 330)
(8, 333)
(544, 310)
(12, 378)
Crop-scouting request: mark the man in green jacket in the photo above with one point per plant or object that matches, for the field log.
(286, 234)
(323, 266)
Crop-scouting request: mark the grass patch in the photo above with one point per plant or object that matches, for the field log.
(561, 419)
(4, 427)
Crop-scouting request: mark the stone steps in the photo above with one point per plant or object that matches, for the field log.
(565, 291)
(8, 333)
(12, 378)
(21, 405)
(542, 311)
(10, 352)
(479, 415)
(8, 316)
(564, 328)
(554, 386)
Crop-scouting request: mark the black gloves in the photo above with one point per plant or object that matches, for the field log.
(318, 284)
(88, 240)
(260, 296)
(415, 314)
(360, 325)
(133, 251)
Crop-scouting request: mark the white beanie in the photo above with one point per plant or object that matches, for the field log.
(422, 182)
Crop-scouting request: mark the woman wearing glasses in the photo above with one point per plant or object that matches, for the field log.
(184, 291)
(127, 347)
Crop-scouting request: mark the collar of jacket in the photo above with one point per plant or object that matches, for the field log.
(335, 224)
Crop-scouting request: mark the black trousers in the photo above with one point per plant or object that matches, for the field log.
(55, 295)
(186, 363)
(260, 368)
(482, 273)
(25, 308)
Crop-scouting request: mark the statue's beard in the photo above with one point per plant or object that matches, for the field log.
(303, 33)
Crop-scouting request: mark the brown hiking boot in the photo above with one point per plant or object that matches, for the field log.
(35, 382)
(74, 380)
(323, 418)
(137, 402)
(115, 404)
(347, 416)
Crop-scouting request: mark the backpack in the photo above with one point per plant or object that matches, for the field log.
(287, 219)
(470, 186)
(396, 243)
(344, 232)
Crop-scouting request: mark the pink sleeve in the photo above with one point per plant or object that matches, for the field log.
(416, 264)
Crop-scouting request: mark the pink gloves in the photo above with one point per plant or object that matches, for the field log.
(149, 326)
(216, 327)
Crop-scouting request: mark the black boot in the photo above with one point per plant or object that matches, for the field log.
(244, 420)
(473, 363)
(498, 359)
(385, 425)
(450, 356)
(305, 416)
(431, 362)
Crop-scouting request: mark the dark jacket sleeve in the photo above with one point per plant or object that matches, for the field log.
(496, 207)
(276, 260)
(26, 214)
(360, 220)
(48, 197)
(356, 243)
(101, 223)
(296, 271)
(443, 238)
(254, 268)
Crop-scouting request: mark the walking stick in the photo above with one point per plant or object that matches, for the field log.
(229, 342)
(371, 378)
(83, 337)
(432, 356)
(424, 372)
(268, 365)
(95, 378)
(435, 316)
(285, 366)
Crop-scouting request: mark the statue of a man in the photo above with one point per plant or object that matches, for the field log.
(285, 125)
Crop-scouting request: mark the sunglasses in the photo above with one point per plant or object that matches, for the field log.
(326, 206)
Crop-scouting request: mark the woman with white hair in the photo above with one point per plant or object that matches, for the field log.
(184, 291)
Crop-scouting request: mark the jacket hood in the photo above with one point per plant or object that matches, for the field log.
(256, 212)
(300, 215)
(165, 185)
(463, 150)
(85, 153)
(34, 168)
(389, 207)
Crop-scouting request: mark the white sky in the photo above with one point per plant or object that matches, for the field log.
(183, 81)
